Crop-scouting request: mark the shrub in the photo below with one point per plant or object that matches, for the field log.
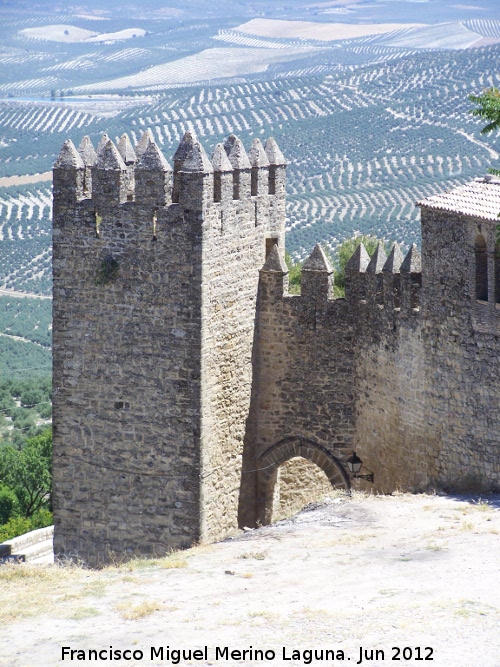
(9, 505)
(19, 525)
(294, 273)
(14, 527)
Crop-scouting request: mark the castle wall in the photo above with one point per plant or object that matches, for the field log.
(154, 323)
(232, 254)
(461, 337)
(347, 374)
(127, 359)
(393, 436)
(405, 375)
(184, 377)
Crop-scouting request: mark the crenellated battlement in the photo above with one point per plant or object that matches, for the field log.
(111, 175)
(185, 374)
(383, 287)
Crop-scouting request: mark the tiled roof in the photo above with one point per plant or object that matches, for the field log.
(480, 199)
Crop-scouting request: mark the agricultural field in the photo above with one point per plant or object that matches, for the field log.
(371, 118)
(363, 144)
(25, 367)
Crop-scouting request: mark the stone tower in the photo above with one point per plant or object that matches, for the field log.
(187, 377)
(156, 276)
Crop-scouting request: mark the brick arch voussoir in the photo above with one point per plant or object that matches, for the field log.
(288, 448)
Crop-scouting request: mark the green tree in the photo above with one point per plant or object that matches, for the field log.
(28, 473)
(9, 505)
(344, 253)
(488, 109)
(294, 272)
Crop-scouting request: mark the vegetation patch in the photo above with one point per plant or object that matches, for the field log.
(107, 271)
(25, 486)
(138, 611)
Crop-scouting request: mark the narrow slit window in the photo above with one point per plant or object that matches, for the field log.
(98, 220)
(272, 179)
(497, 273)
(254, 191)
(481, 267)
(217, 186)
(236, 184)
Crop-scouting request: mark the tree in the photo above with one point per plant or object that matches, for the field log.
(28, 472)
(488, 109)
(9, 505)
(294, 272)
(344, 253)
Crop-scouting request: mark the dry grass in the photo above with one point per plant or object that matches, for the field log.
(31, 590)
(83, 612)
(141, 610)
(253, 555)
(467, 525)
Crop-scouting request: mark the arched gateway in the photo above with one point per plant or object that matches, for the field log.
(282, 451)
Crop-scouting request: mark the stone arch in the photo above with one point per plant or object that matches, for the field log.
(481, 268)
(284, 450)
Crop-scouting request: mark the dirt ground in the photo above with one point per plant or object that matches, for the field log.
(8, 181)
(414, 573)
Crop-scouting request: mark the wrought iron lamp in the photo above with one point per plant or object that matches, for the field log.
(355, 464)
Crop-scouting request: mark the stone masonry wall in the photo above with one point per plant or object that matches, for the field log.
(345, 374)
(154, 308)
(233, 252)
(184, 377)
(462, 339)
(127, 359)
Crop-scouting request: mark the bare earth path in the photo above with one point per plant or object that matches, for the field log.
(29, 295)
(7, 181)
(376, 572)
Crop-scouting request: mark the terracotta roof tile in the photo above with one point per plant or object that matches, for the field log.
(479, 199)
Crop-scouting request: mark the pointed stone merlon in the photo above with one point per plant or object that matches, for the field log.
(240, 163)
(153, 179)
(195, 179)
(355, 271)
(411, 279)
(126, 150)
(274, 276)
(391, 278)
(110, 181)
(68, 179)
(393, 262)
(223, 175)
(144, 141)
(183, 150)
(358, 263)
(89, 157)
(102, 142)
(317, 277)
(412, 263)
(375, 291)
(378, 259)
(277, 168)
(87, 152)
(259, 169)
(129, 158)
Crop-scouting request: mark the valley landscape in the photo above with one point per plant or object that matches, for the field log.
(368, 102)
